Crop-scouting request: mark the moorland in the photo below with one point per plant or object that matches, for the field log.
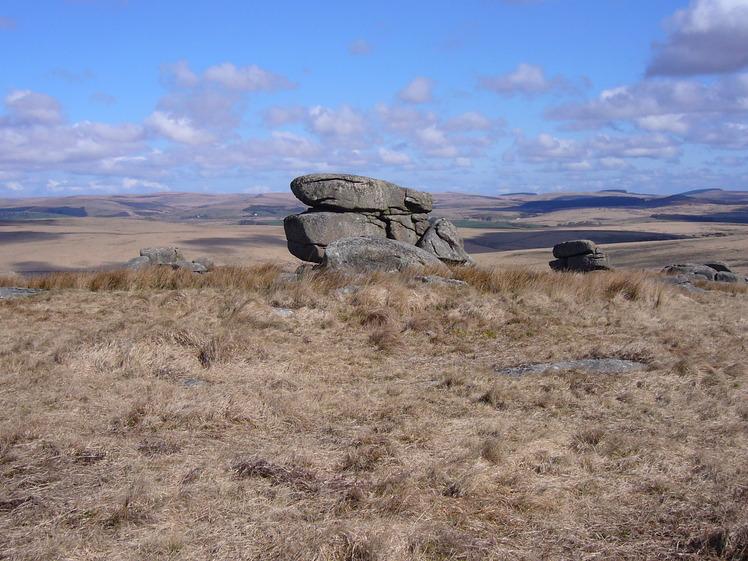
(161, 414)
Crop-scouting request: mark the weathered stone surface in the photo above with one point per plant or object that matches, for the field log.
(309, 233)
(691, 269)
(579, 255)
(719, 266)
(588, 262)
(723, 276)
(358, 193)
(138, 263)
(559, 264)
(206, 262)
(16, 291)
(369, 254)
(406, 227)
(190, 265)
(162, 255)
(606, 365)
(574, 247)
(431, 279)
(443, 240)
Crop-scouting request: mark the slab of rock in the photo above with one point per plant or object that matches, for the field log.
(17, 291)
(369, 254)
(190, 265)
(162, 255)
(443, 240)
(692, 269)
(719, 266)
(309, 233)
(574, 247)
(607, 365)
(358, 193)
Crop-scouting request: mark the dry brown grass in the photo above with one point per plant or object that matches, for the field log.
(160, 415)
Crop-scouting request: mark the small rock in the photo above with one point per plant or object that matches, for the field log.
(190, 265)
(138, 263)
(283, 312)
(607, 365)
(428, 279)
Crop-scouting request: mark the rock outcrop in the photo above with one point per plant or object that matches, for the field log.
(170, 257)
(368, 254)
(579, 255)
(353, 206)
(443, 240)
(715, 271)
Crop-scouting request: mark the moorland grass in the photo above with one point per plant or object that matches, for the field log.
(168, 415)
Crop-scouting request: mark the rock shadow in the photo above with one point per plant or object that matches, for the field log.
(513, 240)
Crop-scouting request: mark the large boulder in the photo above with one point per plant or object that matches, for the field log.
(443, 240)
(574, 247)
(309, 233)
(368, 254)
(579, 255)
(162, 255)
(358, 193)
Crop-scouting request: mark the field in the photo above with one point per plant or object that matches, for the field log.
(156, 416)
(240, 230)
(161, 414)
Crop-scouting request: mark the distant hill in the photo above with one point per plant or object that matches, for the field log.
(472, 210)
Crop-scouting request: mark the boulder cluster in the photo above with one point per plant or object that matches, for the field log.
(170, 257)
(715, 271)
(579, 255)
(353, 206)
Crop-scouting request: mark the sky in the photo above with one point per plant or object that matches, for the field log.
(474, 96)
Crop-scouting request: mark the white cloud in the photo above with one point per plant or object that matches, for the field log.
(360, 47)
(546, 148)
(657, 146)
(402, 118)
(677, 123)
(432, 135)
(707, 37)
(605, 151)
(417, 91)
(34, 134)
(526, 79)
(677, 106)
(473, 121)
(27, 107)
(276, 115)
(177, 129)
(394, 157)
(131, 184)
(344, 121)
(250, 78)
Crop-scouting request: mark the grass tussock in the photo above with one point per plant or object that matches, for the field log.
(238, 415)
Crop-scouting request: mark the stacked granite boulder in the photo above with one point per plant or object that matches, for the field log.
(351, 206)
(579, 255)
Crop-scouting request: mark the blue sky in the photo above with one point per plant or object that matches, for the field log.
(477, 96)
